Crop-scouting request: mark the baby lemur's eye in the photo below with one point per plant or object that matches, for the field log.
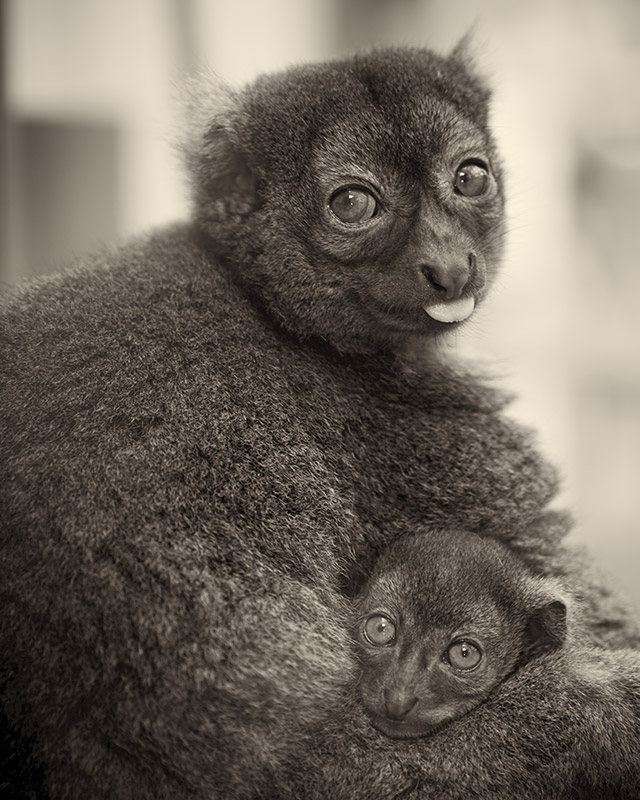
(472, 179)
(464, 655)
(353, 205)
(379, 630)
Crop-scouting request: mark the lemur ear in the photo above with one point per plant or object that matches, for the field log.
(224, 172)
(546, 630)
(463, 56)
(463, 51)
(219, 170)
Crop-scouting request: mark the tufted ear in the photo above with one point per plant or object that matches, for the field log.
(546, 630)
(463, 51)
(220, 174)
(464, 57)
(469, 53)
(223, 170)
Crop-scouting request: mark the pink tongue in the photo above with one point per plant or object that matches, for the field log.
(451, 310)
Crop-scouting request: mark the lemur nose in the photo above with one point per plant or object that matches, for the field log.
(449, 280)
(397, 704)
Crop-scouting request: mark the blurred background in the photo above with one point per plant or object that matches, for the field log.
(89, 101)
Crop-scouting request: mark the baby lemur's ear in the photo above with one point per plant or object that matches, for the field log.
(546, 630)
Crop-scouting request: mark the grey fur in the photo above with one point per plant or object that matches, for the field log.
(206, 438)
(431, 595)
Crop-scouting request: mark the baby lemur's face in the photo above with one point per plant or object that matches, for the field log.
(439, 625)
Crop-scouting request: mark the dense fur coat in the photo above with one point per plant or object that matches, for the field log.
(444, 618)
(207, 436)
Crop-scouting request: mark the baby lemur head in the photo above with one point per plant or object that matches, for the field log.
(360, 200)
(443, 619)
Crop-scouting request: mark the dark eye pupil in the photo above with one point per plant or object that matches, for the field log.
(464, 655)
(471, 180)
(349, 203)
(353, 205)
(379, 630)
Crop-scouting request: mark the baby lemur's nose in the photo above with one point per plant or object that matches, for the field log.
(397, 704)
(449, 279)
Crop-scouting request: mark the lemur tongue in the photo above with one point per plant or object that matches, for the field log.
(451, 310)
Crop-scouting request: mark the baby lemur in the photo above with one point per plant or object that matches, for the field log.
(444, 618)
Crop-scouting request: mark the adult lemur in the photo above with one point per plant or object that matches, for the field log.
(207, 436)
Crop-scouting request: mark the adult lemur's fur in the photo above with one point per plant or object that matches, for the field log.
(207, 435)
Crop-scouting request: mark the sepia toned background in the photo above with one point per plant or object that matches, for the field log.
(90, 117)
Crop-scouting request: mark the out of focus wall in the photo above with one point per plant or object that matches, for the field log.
(91, 91)
(91, 94)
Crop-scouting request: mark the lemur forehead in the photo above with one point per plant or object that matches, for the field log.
(341, 156)
(454, 614)
(377, 149)
(442, 120)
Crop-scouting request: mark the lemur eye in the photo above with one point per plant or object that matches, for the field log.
(353, 205)
(464, 655)
(379, 630)
(472, 179)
